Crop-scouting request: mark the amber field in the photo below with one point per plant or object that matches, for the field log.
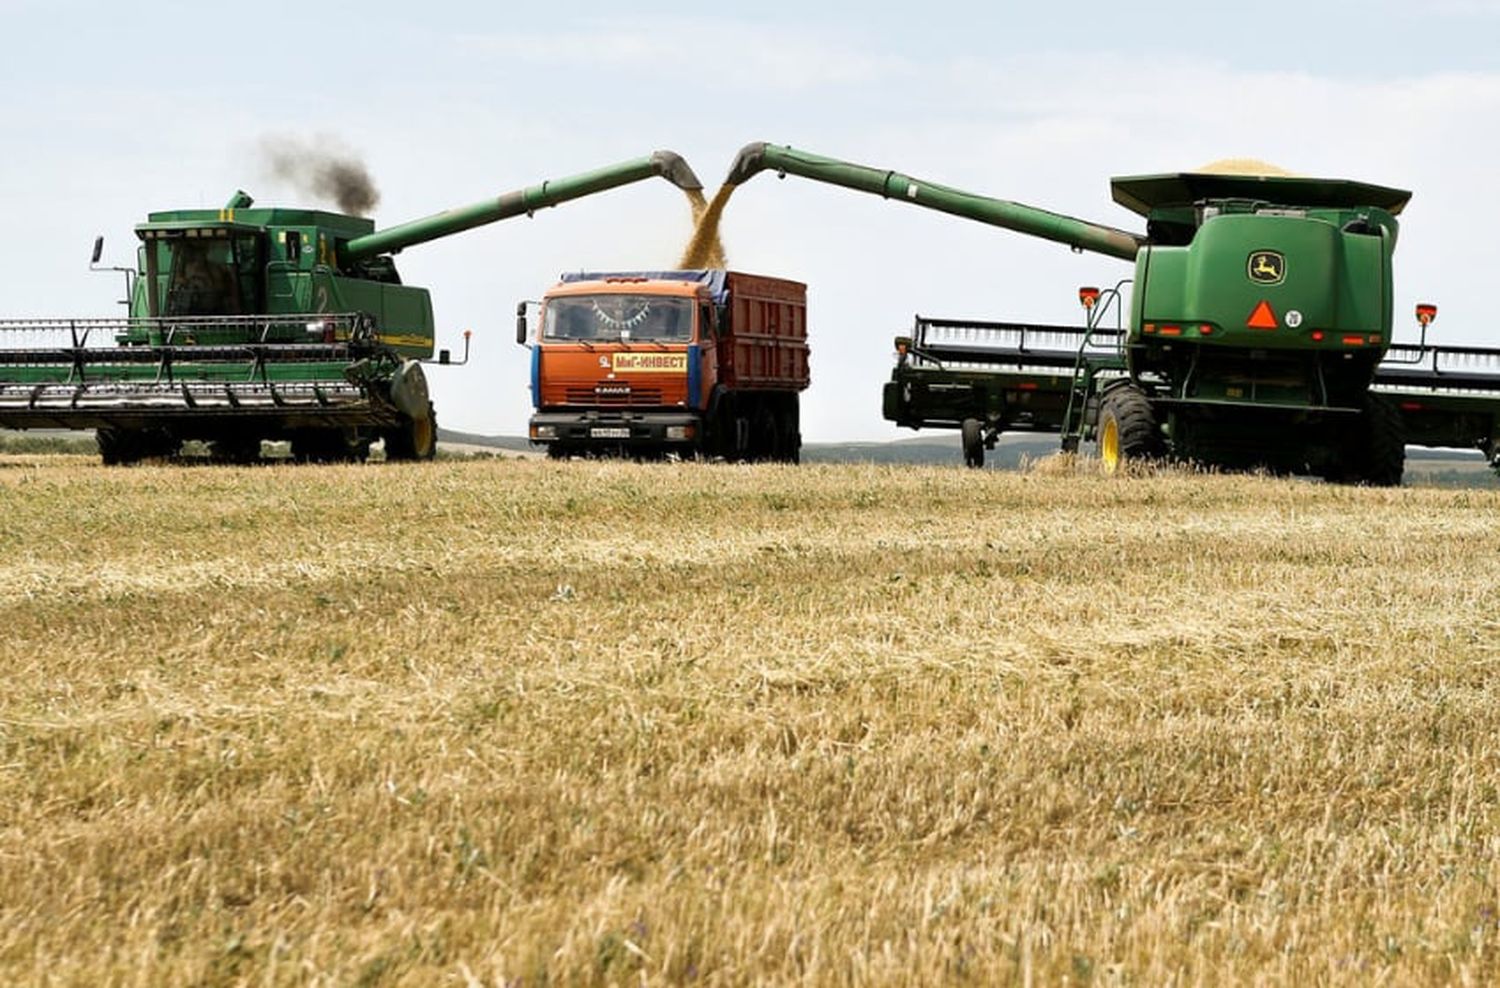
(500, 722)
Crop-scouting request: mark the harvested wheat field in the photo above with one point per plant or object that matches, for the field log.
(506, 722)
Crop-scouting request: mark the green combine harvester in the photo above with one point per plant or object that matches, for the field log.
(251, 324)
(1259, 332)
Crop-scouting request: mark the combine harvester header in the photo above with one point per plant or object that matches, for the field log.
(1259, 331)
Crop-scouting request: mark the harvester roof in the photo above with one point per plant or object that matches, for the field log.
(1145, 193)
(337, 224)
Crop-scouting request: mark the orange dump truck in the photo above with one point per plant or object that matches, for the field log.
(652, 362)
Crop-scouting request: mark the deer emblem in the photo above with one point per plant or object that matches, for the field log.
(1267, 266)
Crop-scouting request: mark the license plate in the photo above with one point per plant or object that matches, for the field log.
(610, 432)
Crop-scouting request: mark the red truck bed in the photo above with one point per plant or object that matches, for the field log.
(765, 346)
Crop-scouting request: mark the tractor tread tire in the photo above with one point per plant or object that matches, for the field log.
(1140, 439)
(972, 434)
(1384, 443)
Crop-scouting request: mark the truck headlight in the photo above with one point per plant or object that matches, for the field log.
(679, 432)
(544, 432)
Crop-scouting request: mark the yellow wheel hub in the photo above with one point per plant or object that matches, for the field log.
(421, 434)
(1109, 444)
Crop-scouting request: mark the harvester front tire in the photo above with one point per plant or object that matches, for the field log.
(413, 438)
(972, 431)
(1127, 433)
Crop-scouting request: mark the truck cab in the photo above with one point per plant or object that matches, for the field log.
(619, 361)
(655, 362)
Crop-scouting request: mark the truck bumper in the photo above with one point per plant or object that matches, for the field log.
(602, 430)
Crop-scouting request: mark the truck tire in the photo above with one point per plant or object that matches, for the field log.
(765, 434)
(1376, 454)
(1127, 432)
(413, 438)
(791, 435)
(972, 431)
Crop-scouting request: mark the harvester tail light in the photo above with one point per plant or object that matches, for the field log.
(1426, 313)
(1317, 336)
(1205, 330)
(1088, 296)
(1354, 341)
(1149, 327)
(1170, 330)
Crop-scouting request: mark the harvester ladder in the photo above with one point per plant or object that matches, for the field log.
(1087, 367)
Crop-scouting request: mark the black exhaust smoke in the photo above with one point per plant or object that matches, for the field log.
(322, 168)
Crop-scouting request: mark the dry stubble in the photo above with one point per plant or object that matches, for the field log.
(725, 724)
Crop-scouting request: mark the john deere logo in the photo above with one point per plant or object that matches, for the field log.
(1267, 267)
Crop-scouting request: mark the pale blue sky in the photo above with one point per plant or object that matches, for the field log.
(112, 110)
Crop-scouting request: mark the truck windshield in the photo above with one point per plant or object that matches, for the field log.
(619, 317)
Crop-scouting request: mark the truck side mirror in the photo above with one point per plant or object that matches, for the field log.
(98, 249)
(521, 330)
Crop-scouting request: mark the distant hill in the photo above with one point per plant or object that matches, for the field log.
(1424, 467)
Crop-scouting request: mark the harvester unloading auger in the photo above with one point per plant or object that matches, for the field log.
(1259, 331)
(248, 324)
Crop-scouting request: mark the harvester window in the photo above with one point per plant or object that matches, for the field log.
(213, 276)
(619, 317)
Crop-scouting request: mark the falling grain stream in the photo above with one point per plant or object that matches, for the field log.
(705, 249)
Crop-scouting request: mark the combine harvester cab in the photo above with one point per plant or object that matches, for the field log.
(647, 363)
(1258, 331)
(254, 324)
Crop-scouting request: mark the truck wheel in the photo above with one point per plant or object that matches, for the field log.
(1127, 430)
(765, 435)
(791, 436)
(413, 439)
(972, 431)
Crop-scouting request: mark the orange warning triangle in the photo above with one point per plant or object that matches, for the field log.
(1262, 317)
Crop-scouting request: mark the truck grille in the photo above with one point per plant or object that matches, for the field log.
(611, 397)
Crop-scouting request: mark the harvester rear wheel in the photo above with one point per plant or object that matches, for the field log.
(329, 446)
(972, 431)
(1127, 432)
(1376, 454)
(239, 449)
(119, 447)
(413, 439)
